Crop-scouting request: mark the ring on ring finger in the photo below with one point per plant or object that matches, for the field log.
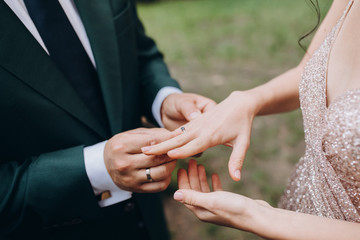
(148, 175)
(183, 129)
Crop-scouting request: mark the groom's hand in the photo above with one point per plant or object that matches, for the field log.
(127, 165)
(179, 108)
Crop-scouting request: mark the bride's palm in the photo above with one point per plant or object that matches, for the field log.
(219, 207)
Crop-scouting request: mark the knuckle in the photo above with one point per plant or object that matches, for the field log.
(125, 181)
(163, 185)
(130, 181)
(122, 166)
(163, 171)
(120, 147)
(163, 158)
(172, 166)
(167, 181)
(151, 140)
(116, 146)
(131, 184)
(180, 140)
(198, 144)
(188, 200)
(142, 188)
(213, 138)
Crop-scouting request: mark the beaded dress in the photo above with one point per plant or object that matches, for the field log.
(326, 181)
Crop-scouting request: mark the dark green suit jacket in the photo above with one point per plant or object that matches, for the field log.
(44, 126)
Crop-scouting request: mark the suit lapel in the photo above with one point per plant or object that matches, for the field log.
(98, 21)
(21, 55)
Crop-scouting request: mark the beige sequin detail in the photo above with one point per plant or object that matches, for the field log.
(326, 181)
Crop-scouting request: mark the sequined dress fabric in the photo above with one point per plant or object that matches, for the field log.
(326, 181)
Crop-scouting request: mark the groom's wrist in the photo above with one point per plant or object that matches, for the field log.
(158, 101)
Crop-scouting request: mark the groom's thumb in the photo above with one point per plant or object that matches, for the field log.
(189, 109)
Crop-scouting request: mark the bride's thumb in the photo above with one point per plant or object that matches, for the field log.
(237, 159)
(191, 197)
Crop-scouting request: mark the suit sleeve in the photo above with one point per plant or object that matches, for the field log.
(45, 192)
(153, 71)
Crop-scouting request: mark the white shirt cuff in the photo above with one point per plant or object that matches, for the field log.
(160, 96)
(99, 177)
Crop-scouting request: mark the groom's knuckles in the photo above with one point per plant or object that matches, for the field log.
(158, 137)
(162, 172)
(155, 186)
(210, 104)
(162, 147)
(155, 160)
(144, 137)
(187, 106)
(125, 143)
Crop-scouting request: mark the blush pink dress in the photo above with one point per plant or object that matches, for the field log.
(326, 181)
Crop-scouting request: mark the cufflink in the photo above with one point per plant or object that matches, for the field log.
(103, 196)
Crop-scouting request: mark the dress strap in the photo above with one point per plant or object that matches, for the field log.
(346, 11)
(340, 22)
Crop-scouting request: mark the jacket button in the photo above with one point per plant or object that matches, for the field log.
(129, 207)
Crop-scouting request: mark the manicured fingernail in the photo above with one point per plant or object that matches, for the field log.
(194, 114)
(178, 196)
(145, 149)
(237, 174)
(172, 152)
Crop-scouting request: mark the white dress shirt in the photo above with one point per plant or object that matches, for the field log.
(93, 155)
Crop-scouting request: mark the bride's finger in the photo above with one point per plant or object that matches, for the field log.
(178, 140)
(194, 175)
(203, 180)
(216, 183)
(192, 148)
(183, 179)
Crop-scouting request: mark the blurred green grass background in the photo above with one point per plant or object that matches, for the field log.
(214, 47)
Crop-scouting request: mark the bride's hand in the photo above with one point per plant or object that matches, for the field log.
(228, 123)
(219, 207)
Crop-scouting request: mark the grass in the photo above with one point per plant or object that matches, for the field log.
(214, 47)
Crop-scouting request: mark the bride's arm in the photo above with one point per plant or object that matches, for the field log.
(256, 216)
(285, 224)
(231, 120)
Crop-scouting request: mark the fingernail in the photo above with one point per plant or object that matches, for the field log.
(172, 152)
(237, 174)
(194, 114)
(178, 196)
(145, 149)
